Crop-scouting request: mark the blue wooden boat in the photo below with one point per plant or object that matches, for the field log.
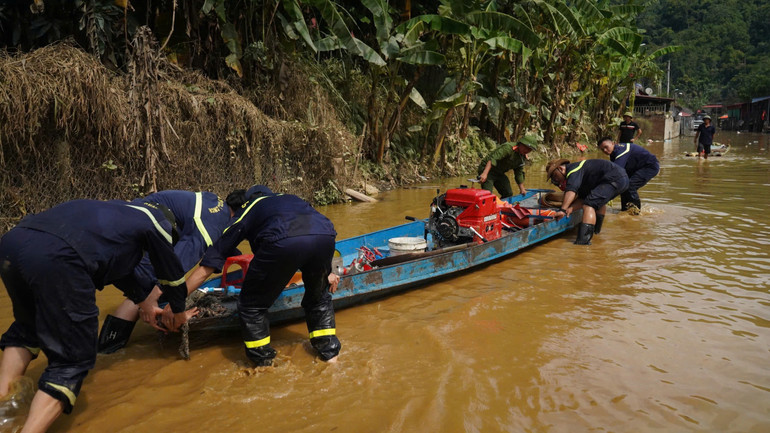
(392, 273)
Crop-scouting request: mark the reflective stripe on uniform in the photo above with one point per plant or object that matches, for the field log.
(628, 147)
(178, 282)
(576, 168)
(258, 343)
(323, 332)
(246, 211)
(166, 235)
(64, 390)
(198, 221)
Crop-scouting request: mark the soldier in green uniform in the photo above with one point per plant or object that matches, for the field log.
(507, 156)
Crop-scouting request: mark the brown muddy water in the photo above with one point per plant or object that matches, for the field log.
(662, 325)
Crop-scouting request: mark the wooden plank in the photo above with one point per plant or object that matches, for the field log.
(359, 196)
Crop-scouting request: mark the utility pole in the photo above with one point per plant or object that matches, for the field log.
(668, 78)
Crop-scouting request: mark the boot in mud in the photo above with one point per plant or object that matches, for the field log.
(633, 209)
(261, 356)
(114, 334)
(599, 222)
(585, 233)
(15, 406)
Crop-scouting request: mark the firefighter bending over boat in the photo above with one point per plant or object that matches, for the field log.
(52, 264)
(285, 234)
(507, 156)
(201, 217)
(589, 184)
(640, 166)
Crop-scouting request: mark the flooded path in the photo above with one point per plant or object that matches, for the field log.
(663, 324)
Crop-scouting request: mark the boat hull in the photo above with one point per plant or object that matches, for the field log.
(408, 272)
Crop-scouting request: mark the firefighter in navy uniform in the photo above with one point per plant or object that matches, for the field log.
(52, 264)
(640, 166)
(286, 234)
(201, 218)
(589, 184)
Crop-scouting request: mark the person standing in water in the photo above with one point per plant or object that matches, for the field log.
(507, 156)
(629, 130)
(589, 185)
(201, 218)
(285, 234)
(704, 137)
(640, 166)
(52, 263)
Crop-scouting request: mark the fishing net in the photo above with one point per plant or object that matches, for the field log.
(209, 306)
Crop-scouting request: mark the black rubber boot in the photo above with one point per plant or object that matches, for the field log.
(585, 233)
(599, 222)
(327, 346)
(255, 330)
(114, 334)
(261, 356)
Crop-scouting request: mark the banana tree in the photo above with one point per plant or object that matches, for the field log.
(410, 44)
(489, 36)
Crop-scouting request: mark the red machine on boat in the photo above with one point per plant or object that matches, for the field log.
(464, 215)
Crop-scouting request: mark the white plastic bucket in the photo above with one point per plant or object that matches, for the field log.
(406, 245)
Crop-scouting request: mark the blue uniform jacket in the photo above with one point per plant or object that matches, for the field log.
(111, 237)
(201, 217)
(265, 219)
(584, 176)
(633, 157)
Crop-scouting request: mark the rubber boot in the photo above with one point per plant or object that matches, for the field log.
(255, 330)
(327, 346)
(599, 222)
(585, 233)
(114, 334)
(261, 356)
(319, 316)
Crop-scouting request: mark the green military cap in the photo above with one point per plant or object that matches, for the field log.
(529, 140)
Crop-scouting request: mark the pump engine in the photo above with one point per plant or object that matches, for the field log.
(464, 215)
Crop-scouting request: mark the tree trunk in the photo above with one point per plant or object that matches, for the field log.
(438, 150)
(395, 117)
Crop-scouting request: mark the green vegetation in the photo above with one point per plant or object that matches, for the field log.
(726, 47)
(390, 91)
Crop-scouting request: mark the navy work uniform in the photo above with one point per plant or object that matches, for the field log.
(640, 166)
(285, 234)
(52, 264)
(596, 181)
(201, 217)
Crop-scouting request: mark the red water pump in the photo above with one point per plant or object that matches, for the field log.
(464, 215)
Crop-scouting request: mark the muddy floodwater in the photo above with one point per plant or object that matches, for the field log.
(661, 325)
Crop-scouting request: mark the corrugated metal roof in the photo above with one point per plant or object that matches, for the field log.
(760, 99)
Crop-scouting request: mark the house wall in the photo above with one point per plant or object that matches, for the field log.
(658, 126)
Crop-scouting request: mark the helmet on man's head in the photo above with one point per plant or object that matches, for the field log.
(628, 114)
(707, 117)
